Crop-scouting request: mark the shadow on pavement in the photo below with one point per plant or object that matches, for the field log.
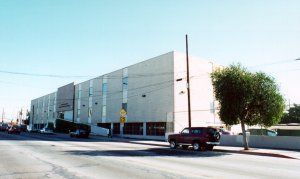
(62, 137)
(151, 152)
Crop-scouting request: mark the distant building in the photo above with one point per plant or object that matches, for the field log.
(144, 100)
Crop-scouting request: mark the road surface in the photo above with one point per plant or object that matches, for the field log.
(58, 156)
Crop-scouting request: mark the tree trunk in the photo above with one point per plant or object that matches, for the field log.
(245, 140)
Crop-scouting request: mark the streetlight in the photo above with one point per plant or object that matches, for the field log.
(298, 59)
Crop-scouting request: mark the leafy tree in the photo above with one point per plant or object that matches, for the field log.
(292, 116)
(247, 98)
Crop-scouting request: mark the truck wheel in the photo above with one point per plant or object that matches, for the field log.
(196, 146)
(173, 144)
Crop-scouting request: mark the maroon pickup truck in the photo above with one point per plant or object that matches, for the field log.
(200, 138)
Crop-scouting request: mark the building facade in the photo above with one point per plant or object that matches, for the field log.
(144, 100)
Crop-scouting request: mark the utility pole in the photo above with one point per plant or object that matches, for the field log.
(21, 115)
(188, 81)
(2, 115)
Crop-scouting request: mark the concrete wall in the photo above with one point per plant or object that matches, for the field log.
(65, 97)
(278, 142)
(153, 79)
(84, 102)
(114, 96)
(97, 100)
(201, 91)
(44, 109)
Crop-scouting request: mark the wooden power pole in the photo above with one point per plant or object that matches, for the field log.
(188, 82)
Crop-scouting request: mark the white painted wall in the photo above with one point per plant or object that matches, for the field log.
(153, 78)
(201, 91)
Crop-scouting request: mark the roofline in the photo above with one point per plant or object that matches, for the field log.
(125, 67)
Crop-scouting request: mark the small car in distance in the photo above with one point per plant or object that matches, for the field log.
(14, 130)
(3, 127)
(224, 132)
(200, 138)
(80, 133)
(46, 131)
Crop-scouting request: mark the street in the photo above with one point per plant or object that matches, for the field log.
(58, 156)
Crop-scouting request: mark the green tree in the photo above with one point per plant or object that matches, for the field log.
(247, 98)
(292, 116)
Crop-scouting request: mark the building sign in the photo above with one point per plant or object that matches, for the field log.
(65, 98)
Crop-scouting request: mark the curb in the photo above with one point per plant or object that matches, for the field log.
(255, 153)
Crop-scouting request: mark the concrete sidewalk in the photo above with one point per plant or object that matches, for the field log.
(291, 154)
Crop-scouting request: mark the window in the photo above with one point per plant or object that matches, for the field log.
(104, 94)
(79, 93)
(211, 131)
(125, 83)
(90, 112)
(196, 131)
(104, 112)
(133, 128)
(124, 106)
(185, 131)
(116, 128)
(125, 86)
(156, 128)
(104, 88)
(91, 91)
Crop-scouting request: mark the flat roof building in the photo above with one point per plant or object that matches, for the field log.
(144, 100)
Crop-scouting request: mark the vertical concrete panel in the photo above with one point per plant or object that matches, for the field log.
(150, 89)
(97, 101)
(114, 96)
(201, 92)
(84, 102)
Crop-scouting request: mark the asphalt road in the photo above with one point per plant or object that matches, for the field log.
(42, 156)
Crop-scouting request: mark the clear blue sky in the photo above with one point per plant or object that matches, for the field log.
(79, 37)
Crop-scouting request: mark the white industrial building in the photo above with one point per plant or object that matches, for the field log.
(152, 93)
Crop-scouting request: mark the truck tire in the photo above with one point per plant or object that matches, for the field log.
(196, 146)
(173, 144)
(199, 146)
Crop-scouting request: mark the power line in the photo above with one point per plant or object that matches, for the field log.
(130, 96)
(108, 76)
(111, 93)
(41, 75)
(273, 63)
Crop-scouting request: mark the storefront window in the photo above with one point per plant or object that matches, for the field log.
(133, 128)
(156, 128)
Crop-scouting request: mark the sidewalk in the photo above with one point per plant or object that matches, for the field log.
(260, 152)
(290, 154)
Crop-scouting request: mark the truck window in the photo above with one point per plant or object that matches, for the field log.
(196, 131)
(185, 131)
